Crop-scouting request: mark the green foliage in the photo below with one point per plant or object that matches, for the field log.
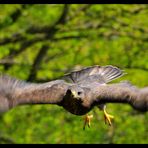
(88, 35)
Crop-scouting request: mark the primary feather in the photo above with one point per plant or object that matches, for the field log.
(93, 74)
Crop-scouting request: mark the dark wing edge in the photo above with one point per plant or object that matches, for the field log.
(104, 73)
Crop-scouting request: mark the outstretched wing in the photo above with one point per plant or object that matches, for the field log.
(122, 93)
(93, 74)
(16, 92)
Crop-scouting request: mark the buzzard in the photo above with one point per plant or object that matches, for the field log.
(77, 92)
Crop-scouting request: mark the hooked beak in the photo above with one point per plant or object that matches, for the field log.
(75, 95)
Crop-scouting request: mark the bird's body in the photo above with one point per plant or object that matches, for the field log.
(77, 92)
(92, 78)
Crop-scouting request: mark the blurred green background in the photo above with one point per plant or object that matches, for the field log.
(41, 42)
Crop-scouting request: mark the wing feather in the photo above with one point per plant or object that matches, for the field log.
(16, 92)
(93, 74)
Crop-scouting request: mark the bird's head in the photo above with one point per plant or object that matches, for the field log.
(77, 92)
(77, 100)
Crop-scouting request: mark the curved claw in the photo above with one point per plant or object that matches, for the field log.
(87, 121)
(107, 117)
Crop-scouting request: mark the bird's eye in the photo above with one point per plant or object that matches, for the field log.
(79, 93)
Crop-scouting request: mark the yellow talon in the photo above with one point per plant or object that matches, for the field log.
(87, 120)
(107, 117)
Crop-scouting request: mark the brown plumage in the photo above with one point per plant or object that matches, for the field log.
(86, 89)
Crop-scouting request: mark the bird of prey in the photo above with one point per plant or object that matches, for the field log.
(93, 77)
(77, 92)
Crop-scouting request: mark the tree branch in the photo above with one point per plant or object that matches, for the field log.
(17, 37)
(49, 29)
(42, 52)
(13, 53)
(15, 15)
(45, 48)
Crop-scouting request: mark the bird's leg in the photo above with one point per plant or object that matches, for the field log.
(87, 120)
(107, 117)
